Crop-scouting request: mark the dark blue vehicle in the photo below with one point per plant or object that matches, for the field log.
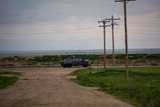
(73, 61)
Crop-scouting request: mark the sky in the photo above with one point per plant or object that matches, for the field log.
(73, 24)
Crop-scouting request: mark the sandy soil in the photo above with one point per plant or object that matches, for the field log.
(51, 87)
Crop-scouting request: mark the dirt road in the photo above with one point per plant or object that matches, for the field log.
(50, 87)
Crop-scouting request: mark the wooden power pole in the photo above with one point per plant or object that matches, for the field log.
(126, 36)
(112, 24)
(104, 35)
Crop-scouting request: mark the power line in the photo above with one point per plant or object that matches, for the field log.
(126, 34)
(112, 24)
(104, 35)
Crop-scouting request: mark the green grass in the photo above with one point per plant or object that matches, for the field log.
(6, 81)
(9, 73)
(142, 88)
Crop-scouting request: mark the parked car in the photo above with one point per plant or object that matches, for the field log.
(73, 61)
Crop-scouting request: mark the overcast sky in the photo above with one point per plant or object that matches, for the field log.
(72, 24)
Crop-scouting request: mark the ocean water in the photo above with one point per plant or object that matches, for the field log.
(71, 52)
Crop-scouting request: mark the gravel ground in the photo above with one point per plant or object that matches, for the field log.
(51, 87)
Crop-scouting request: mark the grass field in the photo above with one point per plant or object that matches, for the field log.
(142, 88)
(7, 78)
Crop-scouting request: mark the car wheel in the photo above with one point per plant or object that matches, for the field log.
(85, 65)
(69, 65)
(64, 65)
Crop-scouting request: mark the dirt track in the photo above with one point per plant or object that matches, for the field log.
(50, 87)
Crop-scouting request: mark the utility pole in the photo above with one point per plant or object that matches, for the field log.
(126, 36)
(112, 24)
(104, 34)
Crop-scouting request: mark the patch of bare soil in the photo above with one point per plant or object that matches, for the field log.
(50, 87)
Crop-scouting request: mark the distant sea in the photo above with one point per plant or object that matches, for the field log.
(71, 52)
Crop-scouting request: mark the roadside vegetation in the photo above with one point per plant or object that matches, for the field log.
(54, 60)
(142, 89)
(9, 73)
(8, 78)
(57, 58)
